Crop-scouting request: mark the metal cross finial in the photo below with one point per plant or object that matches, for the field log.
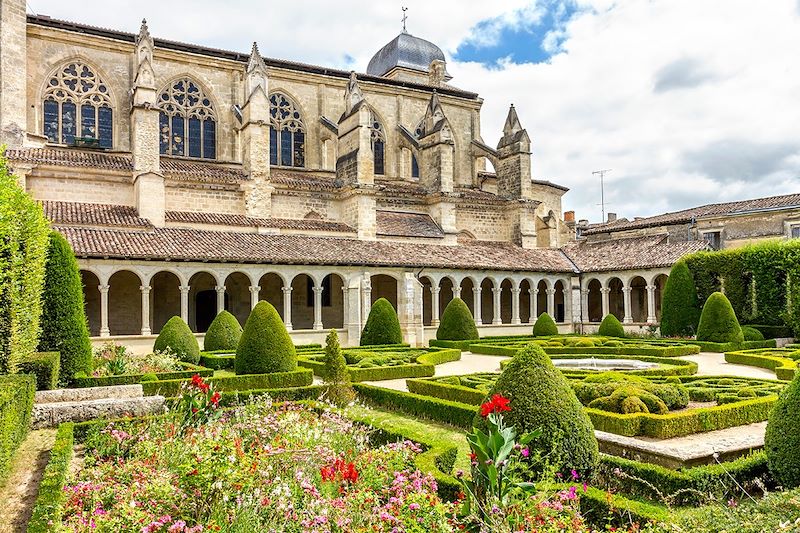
(405, 17)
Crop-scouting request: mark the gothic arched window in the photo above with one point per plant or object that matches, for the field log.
(414, 166)
(378, 140)
(187, 125)
(287, 134)
(77, 103)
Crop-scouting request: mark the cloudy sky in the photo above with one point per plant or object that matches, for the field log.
(687, 101)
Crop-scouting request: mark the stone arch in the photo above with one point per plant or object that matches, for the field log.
(639, 302)
(487, 300)
(465, 236)
(658, 283)
(211, 112)
(91, 300)
(271, 287)
(288, 126)
(506, 300)
(165, 298)
(125, 303)
(559, 301)
(202, 300)
(594, 300)
(525, 307)
(541, 298)
(303, 301)
(446, 293)
(616, 298)
(427, 300)
(333, 298)
(389, 140)
(467, 286)
(384, 286)
(237, 295)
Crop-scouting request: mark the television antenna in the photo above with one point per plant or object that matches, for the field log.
(602, 174)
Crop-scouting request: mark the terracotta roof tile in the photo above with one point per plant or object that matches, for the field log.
(398, 224)
(297, 179)
(626, 254)
(203, 245)
(221, 219)
(93, 214)
(192, 170)
(685, 216)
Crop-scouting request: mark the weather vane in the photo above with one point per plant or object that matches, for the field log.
(405, 17)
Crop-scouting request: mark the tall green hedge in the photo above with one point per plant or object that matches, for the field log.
(23, 252)
(679, 311)
(782, 438)
(545, 326)
(16, 402)
(457, 323)
(383, 326)
(176, 336)
(63, 322)
(223, 333)
(265, 345)
(718, 321)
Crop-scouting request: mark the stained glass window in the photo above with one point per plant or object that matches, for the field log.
(378, 139)
(77, 103)
(187, 124)
(286, 132)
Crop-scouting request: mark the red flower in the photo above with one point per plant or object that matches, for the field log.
(199, 383)
(497, 404)
(351, 474)
(215, 398)
(328, 473)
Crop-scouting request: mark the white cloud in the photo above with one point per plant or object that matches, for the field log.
(725, 123)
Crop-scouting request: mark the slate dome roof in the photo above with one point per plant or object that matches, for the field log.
(405, 51)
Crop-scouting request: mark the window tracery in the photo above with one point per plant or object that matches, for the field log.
(378, 140)
(287, 133)
(187, 122)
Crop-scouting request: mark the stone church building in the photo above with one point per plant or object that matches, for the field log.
(190, 180)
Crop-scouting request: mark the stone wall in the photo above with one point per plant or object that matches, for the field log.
(204, 199)
(70, 189)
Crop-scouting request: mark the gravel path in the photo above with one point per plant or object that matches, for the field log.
(713, 364)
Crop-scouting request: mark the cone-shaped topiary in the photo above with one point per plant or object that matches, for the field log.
(383, 326)
(223, 333)
(544, 326)
(611, 327)
(457, 323)
(177, 336)
(541, 397)
(340, 390)
(265, 345)
(718, 321)
(63, 320)
(679, 309)
(782, 438)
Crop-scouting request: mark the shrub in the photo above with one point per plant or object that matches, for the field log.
(782, 438)
(752, 334)
(611, 327)
(51, 496)
(383, 326)
(541, 397)
(63, 321)
(43, 365)
(16, 402)
(718, 321)
(340, 390)
(679, 312)
(176, 336)
(265, 345)
(545, 326)
(23, 251)
(457, 323)
(223, 333)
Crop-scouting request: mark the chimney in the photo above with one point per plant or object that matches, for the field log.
(569, 216)
(612, 217)
(583, 223)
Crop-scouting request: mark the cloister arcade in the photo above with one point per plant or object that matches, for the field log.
(634, 298)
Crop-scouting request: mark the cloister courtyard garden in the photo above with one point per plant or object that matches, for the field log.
(693, 426)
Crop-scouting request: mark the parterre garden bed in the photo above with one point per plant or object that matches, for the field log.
(783, 361)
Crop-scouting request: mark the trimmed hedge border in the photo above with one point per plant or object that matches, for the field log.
(132, 379)
(16, 403)
(49, 506)
(783, 367)
(276, 380)
(452, 413)
(446, 391)
(424, 367)
(222, 361)
(285, 394)
(45, 366)
(656, 351)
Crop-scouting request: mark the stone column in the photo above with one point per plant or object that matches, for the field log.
(651, 304)
(254, 291)
(626, 292)
(366, 294)
(515, 319)
(434, 306)
(145, 309)
(220, 298)
(604, 291)
(496, 293)
(185, 302)
(352, 318)
(476, 304)
(104, 331)
(287, 307)
(345, 304)
(584, 305)
(551, 303)
(534, 304)
(318, 307)
(457, 291)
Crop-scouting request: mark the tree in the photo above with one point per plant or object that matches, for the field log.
(176, 336)
(545, 326)
(265, 346)
(679, 310)
(611, 327)
(541, 397)
(63, 320)
(340, 390)
(457, 323)
(383, 326)
(782, 438)
(718, 321)
(223, 333)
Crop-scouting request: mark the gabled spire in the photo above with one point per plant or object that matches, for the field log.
(512, 125)
(434, 114)
(145, 76)
(256, 73)
(352, 95)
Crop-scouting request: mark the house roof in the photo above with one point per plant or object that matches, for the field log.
(223, 219)
(686, 215)
(629, 254)
(79, 214)
(399, 224)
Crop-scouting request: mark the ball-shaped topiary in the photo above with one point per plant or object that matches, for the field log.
(752, 334)
(63, 320)
(265, 346)
(457, 323)
(679, 309)
(782, 438)
(718, 321)
(611, 327)
(223, 333)
(541, 397)
(544, 326)
(383, 326)
(176, 336)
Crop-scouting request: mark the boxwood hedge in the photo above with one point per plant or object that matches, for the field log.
(45, 366)
(16, 402)
(274, 380)
(49, 505)
(190, 370)
(775, 359)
